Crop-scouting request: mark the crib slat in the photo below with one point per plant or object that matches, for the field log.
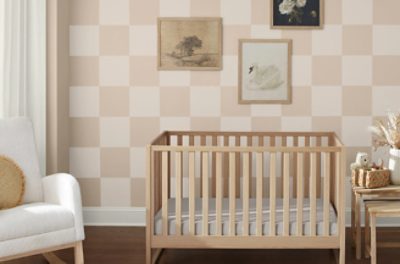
(259, 192)
(214, 143)
(286, 192)
(246, 188)
(202, 143)
(205, 192)
(192, 189)
(237, 175)
(272, 193)
(232, 193)
(284, 144)
(326, 192)
(164, 162)
(300, 194)
(294, 166)
(218, 161)
(307, 168)
(178, 198)
(318, 144)
(249, 144)
(313, 193)
(226, 168)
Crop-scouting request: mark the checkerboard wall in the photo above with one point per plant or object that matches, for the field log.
(344, 76)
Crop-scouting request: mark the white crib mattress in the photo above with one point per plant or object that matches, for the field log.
(252, 217)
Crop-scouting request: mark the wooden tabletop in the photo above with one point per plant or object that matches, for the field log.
(386, 189)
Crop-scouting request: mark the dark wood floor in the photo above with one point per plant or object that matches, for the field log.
(114, 245)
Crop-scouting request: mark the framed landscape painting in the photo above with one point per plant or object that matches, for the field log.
(265, 71)
(189, 44)
(297, 14)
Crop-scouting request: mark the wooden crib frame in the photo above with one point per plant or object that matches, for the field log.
(230, 155)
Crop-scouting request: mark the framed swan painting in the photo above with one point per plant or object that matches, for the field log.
(265, 71)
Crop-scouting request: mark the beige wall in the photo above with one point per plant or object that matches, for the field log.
(344, 76)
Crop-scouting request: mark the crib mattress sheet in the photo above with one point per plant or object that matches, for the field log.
(252, 217)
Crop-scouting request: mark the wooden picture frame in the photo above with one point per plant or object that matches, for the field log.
(265, 71)
(191, 44)
(308, 14)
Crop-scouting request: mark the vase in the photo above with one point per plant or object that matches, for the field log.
(394, 166)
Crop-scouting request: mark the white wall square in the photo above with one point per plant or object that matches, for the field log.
(115, 192)
(114, 12)
(114, 71)
(84, 162)
(144, 101)
(385, 98)
(205, 101)
(301, 70)
(143, 40)
(326, 101)
(386, 40)
(174, 78)
(235, 124)
(236, 12)
(174, 8)
(261, 31)
(138, 161)
(327, 41)
(174, 123)
(266, 110)
(296, 123)
(83, 101)
(83, 40)
(357, 11)
(114, 132)
(355, 131)
(357, 70)
(229, 71)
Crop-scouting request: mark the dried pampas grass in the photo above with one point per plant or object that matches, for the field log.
(389, 134)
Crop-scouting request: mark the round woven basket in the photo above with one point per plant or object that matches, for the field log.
(12, 183)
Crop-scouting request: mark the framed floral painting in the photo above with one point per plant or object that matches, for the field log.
(297, 14)
(265, 71)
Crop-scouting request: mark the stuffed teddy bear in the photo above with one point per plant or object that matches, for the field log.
(362, 161)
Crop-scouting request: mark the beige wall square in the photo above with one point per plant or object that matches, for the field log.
(201, 8)
(235, 123)
(229, 71)
(231, 36)
(327, 41)
(84, 12)
(229, 103)
(144, 101)
(236, 12)
(144, 71)
(138, 189)
(205, 123)
(84, 162)
(350, 16)
(385, 70)
(205, 78)
(327, 70)
(83, 101)
(357, 70)
(174, 123)
(334, 16)
(357, 40)
(327, 123)
(355, 131)
(138, 162)
(263, 31)
(301, 70)
(114, 71)
(301, 41)
(385, 98)
(143, 40)
(260, 12)
(326, 100)
(174, 8)
(114, 101)
(114, 40)
(115, 162)
(84, 132)
(357, 100)
(296, 123)
(90, 191)
(386, 12)
(114, 132)
(175, 101)
(301, 103)
(83, 71)
(266, 110)
(114, 12)
(266, 124)
(115, 192)
(83, 40)
(144, 12)
(205, 101)
(144, 130)
(386, 40)
(174, 78)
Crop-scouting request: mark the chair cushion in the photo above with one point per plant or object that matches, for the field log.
(12, 183)
(33, 219)
(17, 142)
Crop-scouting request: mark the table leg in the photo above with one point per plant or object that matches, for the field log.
(353, 230)
(358, 225)
(373, 239)
(366, 233)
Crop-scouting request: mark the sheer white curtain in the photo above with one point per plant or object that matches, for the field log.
(23, 64)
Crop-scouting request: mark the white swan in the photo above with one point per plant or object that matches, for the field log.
(264, 77)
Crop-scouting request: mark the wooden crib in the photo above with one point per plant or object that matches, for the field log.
(237, 190)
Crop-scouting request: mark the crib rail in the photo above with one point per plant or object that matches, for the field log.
(234, 168)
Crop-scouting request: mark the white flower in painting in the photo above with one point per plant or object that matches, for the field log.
(301, 3)
(286, 7)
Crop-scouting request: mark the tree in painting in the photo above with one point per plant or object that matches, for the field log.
(188, 45)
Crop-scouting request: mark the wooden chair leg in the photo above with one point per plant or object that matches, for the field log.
(52, 258)
(78, 251)
(373, 239)
(367, 233)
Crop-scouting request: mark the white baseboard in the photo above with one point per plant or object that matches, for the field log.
(136, 216)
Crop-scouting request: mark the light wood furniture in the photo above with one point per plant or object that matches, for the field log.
(375, 209)
(305, 167)
(359, 195)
